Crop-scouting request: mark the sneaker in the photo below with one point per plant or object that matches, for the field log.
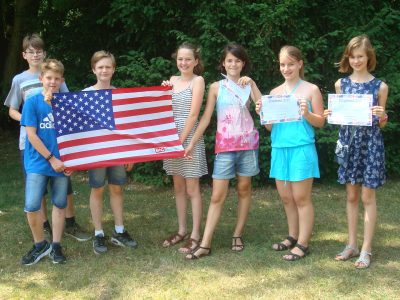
(77, 233)
(34, 255)
(57, 256)
(48, 233)
(99, 244)
(123, 240)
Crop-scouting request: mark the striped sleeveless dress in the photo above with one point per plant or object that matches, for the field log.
(197, 167)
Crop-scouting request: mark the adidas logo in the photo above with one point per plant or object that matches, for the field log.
(48, 122)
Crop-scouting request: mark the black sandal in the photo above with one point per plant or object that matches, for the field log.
(294, 256)
(192, 256)
(282, 246)
(235, 246)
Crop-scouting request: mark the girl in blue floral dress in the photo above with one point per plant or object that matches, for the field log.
(364, 171)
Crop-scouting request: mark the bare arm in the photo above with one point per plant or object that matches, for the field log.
(380, 109)
(197, 100)
(37, 143)
(206, 117)
(316, 117)
(14, 114)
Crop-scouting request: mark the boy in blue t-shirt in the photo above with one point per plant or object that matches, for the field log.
(24, 85)
(43, 165)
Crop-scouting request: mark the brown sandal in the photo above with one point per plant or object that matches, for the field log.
(235, 246)
(190, 245)
(174, 239)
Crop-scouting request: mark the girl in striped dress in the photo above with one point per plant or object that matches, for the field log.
(187, 97)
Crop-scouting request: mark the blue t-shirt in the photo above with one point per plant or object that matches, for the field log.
(37, 113)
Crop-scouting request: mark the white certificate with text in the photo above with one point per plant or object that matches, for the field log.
(350, 109)
(279, 109)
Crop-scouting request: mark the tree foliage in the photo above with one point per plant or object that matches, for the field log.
(143, 34)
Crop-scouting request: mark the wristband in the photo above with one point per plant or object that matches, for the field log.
(385, 118)
(49, 157)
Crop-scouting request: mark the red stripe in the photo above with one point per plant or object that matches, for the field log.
(117, 149)
(115, 137)
(142, 111)
(130, 160)
(127, 100)
(141, 89)
(145, 123)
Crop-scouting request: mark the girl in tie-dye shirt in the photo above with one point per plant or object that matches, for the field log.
(236, 144)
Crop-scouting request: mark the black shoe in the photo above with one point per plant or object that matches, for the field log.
(123, 240)
(99, 244)
(34, 255)
(48, 233)
(76, 232)
(57, 256)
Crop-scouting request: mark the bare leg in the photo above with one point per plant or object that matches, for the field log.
(43, 210)
(292, 215)
(219, 193)
(193, 191)
(96, 207)
(369, 200)
(36, 225)
(244, 203)
(302, 196)
(117, 203)
(58, 220)
(70, 210)
(181, 204)
(353, 196)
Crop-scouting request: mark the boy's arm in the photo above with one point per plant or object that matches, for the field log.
(37, 143)
(14, 100)
(14, 114)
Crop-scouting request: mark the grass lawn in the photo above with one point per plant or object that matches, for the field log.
(153, 272)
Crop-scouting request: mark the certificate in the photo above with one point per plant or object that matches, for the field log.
(350, 109)
(279, 109)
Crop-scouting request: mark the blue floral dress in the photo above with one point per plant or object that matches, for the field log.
(366, 164)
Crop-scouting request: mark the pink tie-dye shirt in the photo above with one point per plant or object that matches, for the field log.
(235, 127)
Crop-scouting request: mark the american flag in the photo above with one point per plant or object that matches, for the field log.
(116, 126)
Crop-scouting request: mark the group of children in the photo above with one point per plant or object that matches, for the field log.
(294, 160)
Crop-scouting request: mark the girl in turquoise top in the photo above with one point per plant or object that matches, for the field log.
(236, 144)
(294, 161)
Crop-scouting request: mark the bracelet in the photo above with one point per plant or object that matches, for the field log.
(385, 118)
(49, 157)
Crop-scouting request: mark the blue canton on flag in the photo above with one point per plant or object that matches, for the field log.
(83, 111)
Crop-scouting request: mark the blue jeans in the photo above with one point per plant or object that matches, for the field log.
(35, 186)
(115, 175)
(242, 163)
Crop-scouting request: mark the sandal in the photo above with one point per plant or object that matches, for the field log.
(364, 260)
(282, 246)
(293, 256)
(174, 239)
(347, 253)
(192, 256)
(190, 245)
(235, 246)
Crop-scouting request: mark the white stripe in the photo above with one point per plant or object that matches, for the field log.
(105, 132)
(105, 157)
(146, 117)
(117, 143)
(141, 94)
(141, 105)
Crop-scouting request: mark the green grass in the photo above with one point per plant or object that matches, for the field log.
(153, 272)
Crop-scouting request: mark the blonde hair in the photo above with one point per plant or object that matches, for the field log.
(295, 53)
(52, 65)
(33, 40)
(199, 68)
(363, 42)
(98, 55)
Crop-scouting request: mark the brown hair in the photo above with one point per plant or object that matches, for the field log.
(98, 55)
(33, 40)
(294, 52)
(52, 65)
(237, 51)
(363, 42)
(199, 68)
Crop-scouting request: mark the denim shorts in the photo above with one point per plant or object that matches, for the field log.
(115, 175)
(35, 186)
(294, 163)
(229, 164)
(69, 191)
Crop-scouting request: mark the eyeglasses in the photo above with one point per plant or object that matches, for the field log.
(33, 53)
